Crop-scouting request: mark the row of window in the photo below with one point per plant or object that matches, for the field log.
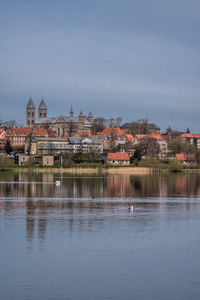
(52, 146)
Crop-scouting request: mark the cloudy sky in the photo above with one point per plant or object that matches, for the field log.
(129, 58)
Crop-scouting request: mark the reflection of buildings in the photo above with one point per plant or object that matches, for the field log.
(42, 185)
(77, 204)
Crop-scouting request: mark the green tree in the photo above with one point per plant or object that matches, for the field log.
(8, 147)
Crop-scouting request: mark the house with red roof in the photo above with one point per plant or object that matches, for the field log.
(185, 157)
(192, 138)
(118, 159)
(112, 137)
(158, 138)
(2, 140)
(19, 136)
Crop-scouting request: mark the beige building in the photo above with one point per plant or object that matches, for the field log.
(23, 159)
(62, 125)
(47, 146)
(47, 160)
(193, 139)
(118, 159)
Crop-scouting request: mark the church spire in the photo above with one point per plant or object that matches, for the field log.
(30, 103)
(71, 113)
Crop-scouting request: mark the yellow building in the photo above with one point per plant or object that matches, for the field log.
(47, 146)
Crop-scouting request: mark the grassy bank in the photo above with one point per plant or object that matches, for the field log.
(80, 170)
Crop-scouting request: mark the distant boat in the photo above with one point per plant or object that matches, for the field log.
(57, 182)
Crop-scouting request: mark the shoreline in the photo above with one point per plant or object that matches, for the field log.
(118, 170)
(111, 170)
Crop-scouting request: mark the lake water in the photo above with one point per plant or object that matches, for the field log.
(80, 241)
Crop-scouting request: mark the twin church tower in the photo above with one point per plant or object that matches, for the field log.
(30, 112)
(60, 124)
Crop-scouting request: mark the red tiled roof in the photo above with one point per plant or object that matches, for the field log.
(141, 136)
(20, 131)
(108, 131)
(83, 133)
(38, 132)
(190, 135)
(180, 157)
(130, 137)
(2, 134)
(118, 156)
(157, 137)
(185, 157)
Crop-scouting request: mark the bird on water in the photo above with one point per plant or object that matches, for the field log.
(131, 207)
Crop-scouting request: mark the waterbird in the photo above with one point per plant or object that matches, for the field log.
(131, 207)
(58, 182)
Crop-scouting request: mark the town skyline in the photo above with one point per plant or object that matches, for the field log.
(137, 59)
(69, 106)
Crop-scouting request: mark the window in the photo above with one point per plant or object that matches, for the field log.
(32, 121)
(40, 114)
(44, 115)
(28, 122)
(32, 114)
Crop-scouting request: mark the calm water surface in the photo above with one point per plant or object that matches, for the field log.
(80, 241)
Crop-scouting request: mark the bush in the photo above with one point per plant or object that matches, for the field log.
(175, 166)
(152, 163)
(69, 164)
(6, 162)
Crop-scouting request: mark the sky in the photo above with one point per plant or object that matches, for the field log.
(130, 58)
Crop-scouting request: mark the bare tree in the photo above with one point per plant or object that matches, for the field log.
(98, 125)
(149, 147)
(71, 128)
(111, 123)
(118, 121)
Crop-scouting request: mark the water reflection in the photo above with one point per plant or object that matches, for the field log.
(112, 186)
(88, 203)
(83, 232)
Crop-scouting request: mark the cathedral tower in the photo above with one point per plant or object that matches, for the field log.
(30, 114)
(42, 110)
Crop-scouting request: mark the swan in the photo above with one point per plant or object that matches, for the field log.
(58, 182)
(131, 207)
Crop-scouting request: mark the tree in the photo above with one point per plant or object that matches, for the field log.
(118, 121)
(143, 125)
(99, 124)
(198, 156)
(8, 147)
(111, 123)
(149, 147)
(137, 154)
(180, 146)
(71, 128)
(11, 124)
(29, 140)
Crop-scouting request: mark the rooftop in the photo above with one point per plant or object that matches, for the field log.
(118, 156)
(42, 104)
(30, 104)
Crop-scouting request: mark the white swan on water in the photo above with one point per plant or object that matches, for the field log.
(58, 182)
(131, 207)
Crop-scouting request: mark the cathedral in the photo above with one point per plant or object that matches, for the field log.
(62, 125)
